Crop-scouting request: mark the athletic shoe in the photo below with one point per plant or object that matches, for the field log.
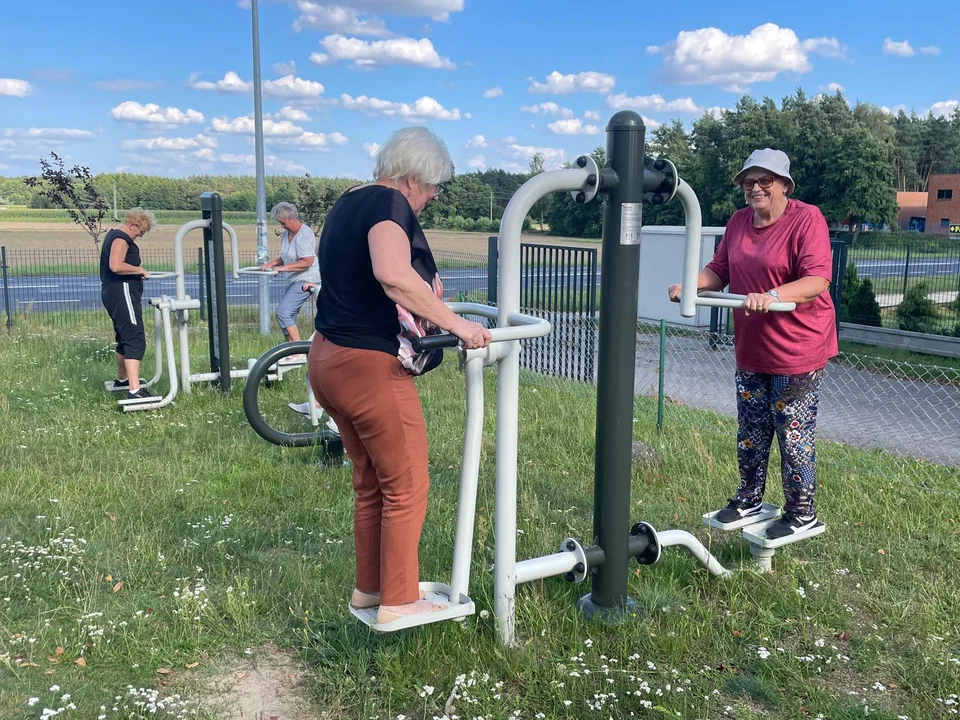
(332, 426)
(737, 510)
(141, 394)
(791, 524)
(302, 408)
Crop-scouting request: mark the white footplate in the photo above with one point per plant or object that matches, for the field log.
(768, 511)
(434, 592)
(756, 535)
(140, 401)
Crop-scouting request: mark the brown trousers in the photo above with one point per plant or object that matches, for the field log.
(376, 406)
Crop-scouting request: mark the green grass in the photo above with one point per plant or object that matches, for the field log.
(225, 543)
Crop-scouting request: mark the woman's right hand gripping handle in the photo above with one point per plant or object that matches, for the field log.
(474, 335)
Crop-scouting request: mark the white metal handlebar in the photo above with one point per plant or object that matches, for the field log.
(519, 326)
(256, 270)
(709, 298)
(160, 275)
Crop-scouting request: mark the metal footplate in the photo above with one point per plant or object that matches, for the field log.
(768, 511)
(434, 592)
(756, 535)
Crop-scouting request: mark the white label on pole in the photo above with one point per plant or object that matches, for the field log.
(631, 221)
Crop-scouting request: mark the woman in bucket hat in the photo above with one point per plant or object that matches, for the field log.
(777, 249)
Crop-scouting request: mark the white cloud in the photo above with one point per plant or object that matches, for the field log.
(311, 141)
(548, 108)
(891, 47)
(292, 113)
(930, 50)
(54, 74)
(592, 115)
(552, 157)
(832, 88)
(716, 112)
(366, 55)
(60, 133)
(337, 19)
(171, 143)
(288, 86)
(493, 92)
(426, 108)
(710, 56)
(269, 161)
(245, 126)
(653, 103)
(205, 154)
(559, 84)
(650, 123)
(826, 47)
(126, 85)
(285, 68)
(371, 148)
(653, 49)
(14, 87)
(477, 141)
(945, 108)
(572, 127)
(477, 162)
(132, 111)
(438, 10)
(894, 110)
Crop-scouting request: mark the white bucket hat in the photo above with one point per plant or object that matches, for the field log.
(776, 161)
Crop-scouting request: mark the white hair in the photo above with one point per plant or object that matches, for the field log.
(414, 152)
(285, 211)
(143, 219)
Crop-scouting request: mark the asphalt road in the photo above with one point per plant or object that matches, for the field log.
(919, 267)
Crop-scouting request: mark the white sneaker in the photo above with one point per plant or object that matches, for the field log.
(332, 426)
(302, 408)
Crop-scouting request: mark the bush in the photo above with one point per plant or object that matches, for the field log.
(851, 283)
(916, 312)
(863, 308)
(40, 202)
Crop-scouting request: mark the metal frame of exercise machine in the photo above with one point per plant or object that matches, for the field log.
(625, 184)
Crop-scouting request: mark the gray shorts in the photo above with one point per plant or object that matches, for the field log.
(291, 302)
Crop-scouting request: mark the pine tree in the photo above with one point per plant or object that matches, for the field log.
(864, 308)
(916, 312)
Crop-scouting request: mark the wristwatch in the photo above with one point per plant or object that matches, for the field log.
(774, 294)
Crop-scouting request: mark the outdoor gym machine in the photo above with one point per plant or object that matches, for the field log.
(165, 307)
(625, 184)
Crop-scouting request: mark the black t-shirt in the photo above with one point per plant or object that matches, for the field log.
(133, 258)
(352, 308)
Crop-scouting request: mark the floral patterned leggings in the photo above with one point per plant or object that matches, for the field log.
(787, 405)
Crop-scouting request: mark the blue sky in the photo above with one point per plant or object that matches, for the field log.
(164, 87)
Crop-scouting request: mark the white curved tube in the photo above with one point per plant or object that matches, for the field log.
(469, 479)
(695, 547)
(234, 250)
(255, 270)
(545, 566)
(737, 302)
(178, 252)
(691, 248)
(162, 314)
(160, 275)
(508, 388)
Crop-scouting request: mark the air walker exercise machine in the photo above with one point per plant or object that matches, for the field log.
(165, 307)
(625, 183)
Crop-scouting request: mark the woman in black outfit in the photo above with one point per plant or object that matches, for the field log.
(121, 288)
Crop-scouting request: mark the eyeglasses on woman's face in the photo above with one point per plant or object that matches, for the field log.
(764, 182)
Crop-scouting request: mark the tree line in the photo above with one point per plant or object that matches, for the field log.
(849, 161)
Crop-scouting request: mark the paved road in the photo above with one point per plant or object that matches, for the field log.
(863, 409)
(82, 292)
(919, 267)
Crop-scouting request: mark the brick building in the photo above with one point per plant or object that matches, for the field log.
(943, 205)
(912, 211)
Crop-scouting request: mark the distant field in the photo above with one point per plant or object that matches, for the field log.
(53, 235)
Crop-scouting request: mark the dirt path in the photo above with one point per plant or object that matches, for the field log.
(63, 236)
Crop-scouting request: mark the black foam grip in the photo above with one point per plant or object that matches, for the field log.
(434, 342)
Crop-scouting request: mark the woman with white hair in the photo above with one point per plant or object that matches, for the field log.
(776, 249)
(298, 263)
(121, 290)
(376, 267)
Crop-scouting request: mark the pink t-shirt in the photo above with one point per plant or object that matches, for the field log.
(755, 260)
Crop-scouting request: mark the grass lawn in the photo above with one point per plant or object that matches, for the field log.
(149, 558)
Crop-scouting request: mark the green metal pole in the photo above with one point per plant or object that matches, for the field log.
(663, 347)
(622, 176)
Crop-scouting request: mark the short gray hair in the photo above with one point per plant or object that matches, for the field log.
(143, 219)
(414, 152)
(285, 211)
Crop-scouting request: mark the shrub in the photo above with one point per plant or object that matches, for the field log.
(916, 312)
(863, 308)
(851, 283)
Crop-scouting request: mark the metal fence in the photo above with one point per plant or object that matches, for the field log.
(905, 415)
